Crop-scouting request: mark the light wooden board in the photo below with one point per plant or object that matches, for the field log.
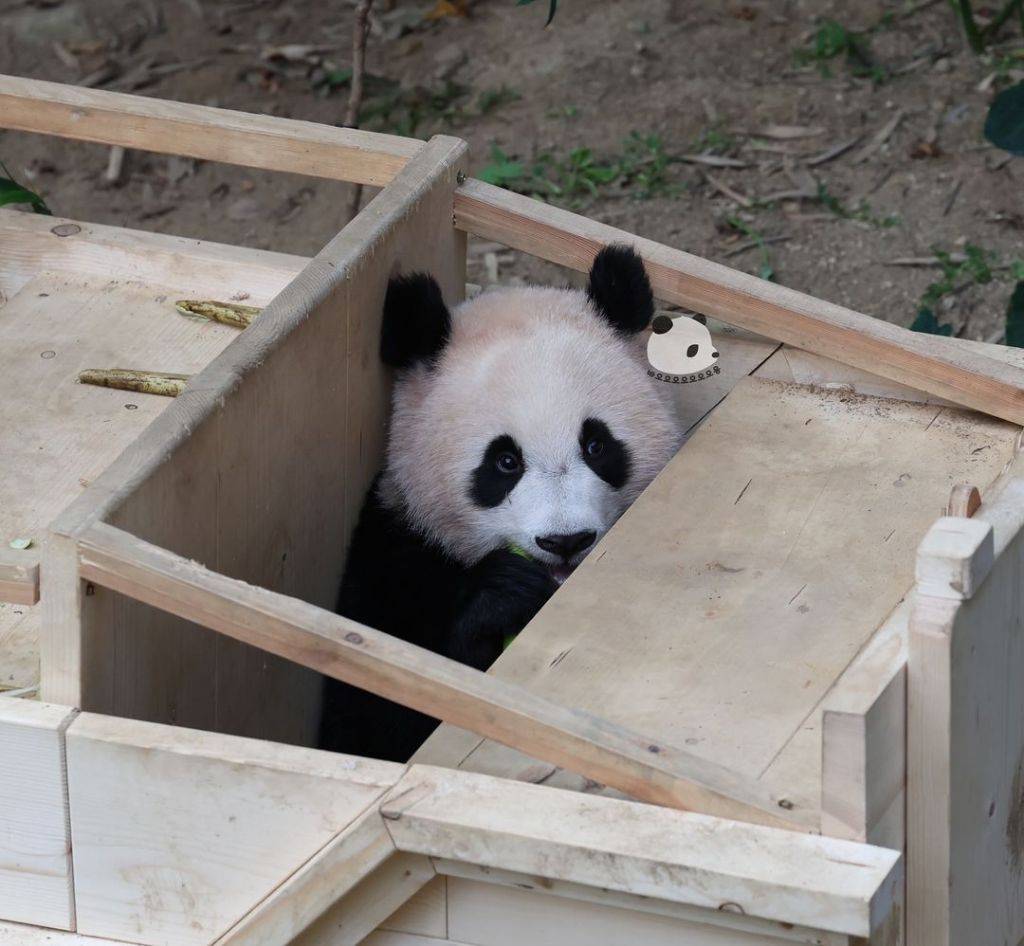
(691, 916)
(59, 435)
(677, 856)
(20, 934)
(35, 844)
(491, 915)
(965, 783)
(31, 244)
(177, 834)
(199, 131)
(760, 562)
(425, 914)
(288, 423)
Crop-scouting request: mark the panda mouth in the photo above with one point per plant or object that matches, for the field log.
(561, 571)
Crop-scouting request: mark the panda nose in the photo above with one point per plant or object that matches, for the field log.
(566, 545)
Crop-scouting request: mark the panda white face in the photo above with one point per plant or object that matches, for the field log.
(535, 425)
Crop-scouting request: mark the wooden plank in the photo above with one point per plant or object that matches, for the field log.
(177, 834)
(327, 883)
(425, 914)
(414, 677)
(648, 851)
(920, 361)
(722, 921)
(738, 557)
(35, 844)
(199, 131)
(288, 421)
(491, 915)
(31, 244)
(965, 839)
(19, 577)
(360, 911)
(18, 934)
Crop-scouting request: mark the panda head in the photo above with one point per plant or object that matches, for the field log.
(525, 417)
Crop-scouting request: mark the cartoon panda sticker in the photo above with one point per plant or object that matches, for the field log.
(680, 350)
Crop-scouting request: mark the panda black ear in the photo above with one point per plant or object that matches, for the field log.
(416, 322)
(620, 289)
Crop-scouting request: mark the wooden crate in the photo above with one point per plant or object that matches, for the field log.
(738, 651)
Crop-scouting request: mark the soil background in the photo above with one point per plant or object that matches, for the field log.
(701, 76)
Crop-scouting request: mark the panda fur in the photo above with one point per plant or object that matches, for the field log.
(525, 418)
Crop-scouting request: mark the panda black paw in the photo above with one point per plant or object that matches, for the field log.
(503, 594)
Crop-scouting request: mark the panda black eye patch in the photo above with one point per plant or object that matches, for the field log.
(608, 457)
(500, 469)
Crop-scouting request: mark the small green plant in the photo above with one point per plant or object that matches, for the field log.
(863, 211)
(714, 140)
(765, 270)
(976, 266)
(832, 40)
(11, 192)
(490, 100)
(640, 171)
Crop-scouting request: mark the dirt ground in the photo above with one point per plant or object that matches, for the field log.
(701, 76)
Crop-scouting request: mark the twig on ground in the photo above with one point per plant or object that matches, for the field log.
(832, 153)
(725, 189)
(880, 138)
(754, 244)
(355, 98)
(952, 197)
(713, 160)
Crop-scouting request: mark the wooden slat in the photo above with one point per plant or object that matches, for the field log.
(420, 679)
(199, 131)
(194, 268)
(965, 738)
(330, 891)
(921, 361)
(717, 925)
(653, 852)
(19, 577)
(35, 843)
(177, 834)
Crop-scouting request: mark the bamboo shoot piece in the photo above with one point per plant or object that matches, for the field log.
(227, 313)
(144, 382)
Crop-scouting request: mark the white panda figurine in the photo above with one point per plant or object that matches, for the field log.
(680, 350)
(523, 424)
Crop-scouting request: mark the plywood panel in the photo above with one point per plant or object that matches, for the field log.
(759, 563)
(258, 471)
(176, 834)
(424, 914)
(35, 844)
(489, 915)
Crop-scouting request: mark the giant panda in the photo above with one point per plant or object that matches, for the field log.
(523, 424)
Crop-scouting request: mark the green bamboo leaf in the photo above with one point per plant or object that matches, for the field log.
(1004, 126)
(1015, 318)
(11, 193)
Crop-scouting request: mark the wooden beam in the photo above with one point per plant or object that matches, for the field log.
(674, 856)
(19, 577)
(926, 362)
(424, 681)
(199, 131)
